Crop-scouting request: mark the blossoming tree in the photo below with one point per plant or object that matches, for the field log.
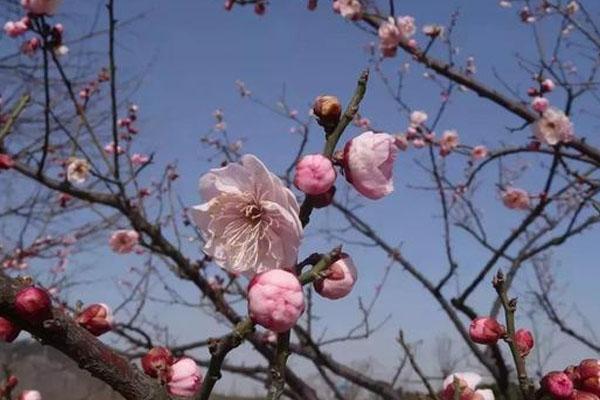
(251, 221)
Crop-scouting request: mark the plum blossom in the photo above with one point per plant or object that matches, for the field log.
(41, 7)
(124, 241)
(349, 9)
(111, 148)
(540, 104)
(340, 279)
(524, 341)
(249, 219)
(368, 163)
(515, 199)
(467, 382)
(448, 142)
(138, 159)
(479, 152)
(314, 174)
(553, 127)
(30, 395)
(557, 384)
(185, 378)
(17, 28)
(78, 170)
(393, 31)
(485, 330)
(548, 85)
(275, 300)
(418, 118)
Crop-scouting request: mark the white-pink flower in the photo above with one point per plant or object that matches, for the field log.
(540, 104)
(138, 159)
(340, 279)
(393, 31)
(249, 219)
(110, 148)
(448, 142)
(30, 395)
(553, 127)
(41, 7)
(17, 28)
(350, 9)
(124, 241)
(185, 378)
(314, 174)
(368, 163)
(515, 198)
(418, 118)
(78, 170)
(467, 382)
(275, 300)
(479, 152)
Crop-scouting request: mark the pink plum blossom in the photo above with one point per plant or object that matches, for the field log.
(350, 9)
(515, 199)
(275, 300)
(485, 330)
(393, 31)
(110, 148)
(41, 7)
(524, 341)
(548, 85)
(138, 159)
(557, 384)
(448, 142)
(467, 382)
(368, 163)
(124, 241)
(540, 104)
(340, 279)
(78, 170)
(17, 28)
(249, 219)
(30, 395)
(418, 118)
(185, 378)
(479, 152)
(553, 127)
(29, 47)
(314, 174)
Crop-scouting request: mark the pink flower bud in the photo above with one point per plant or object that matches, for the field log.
(340, 279)
(11, 382)
(589, 373)
(328, 110)
(557, 384)
(156, 362)
(97, 319)
(314, 174)
(368, 163)
(275, 300)
(485, 330)
(30, 395)
(6, 161)
(185, 378)
(479, 152)
(572, 372)
(33, 305)
(515, 199)
(8, 330)
(523, 341)
(124, 241)
(540, 104)
(548, 85)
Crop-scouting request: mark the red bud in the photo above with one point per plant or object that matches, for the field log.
(33, 305)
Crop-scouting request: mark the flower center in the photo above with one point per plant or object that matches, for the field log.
(252, 212)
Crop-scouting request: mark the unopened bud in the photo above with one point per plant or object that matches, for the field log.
(157, 362)
(8, 330)
(33, 305)
(523, 341)
(557, 384)
(328, 110)
(97, 319)
(486, 330)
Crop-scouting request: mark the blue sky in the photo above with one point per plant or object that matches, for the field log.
(188, 54)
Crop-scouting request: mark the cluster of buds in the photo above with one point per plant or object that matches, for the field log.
(128, 123)
(486, 330)
(182, 377)
(538, 102)
(94, 86)
(576, 382)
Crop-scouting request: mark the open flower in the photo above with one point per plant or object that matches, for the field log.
(368, 163)
(350, 9)
(553, 127)
(41, 7)
(78, 170)
(124, 241)
(448, 142)
(515, 198)
(249, 219)
(467, 384)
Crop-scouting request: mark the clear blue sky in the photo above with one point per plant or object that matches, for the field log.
(190, 53)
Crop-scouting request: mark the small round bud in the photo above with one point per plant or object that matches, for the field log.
(33, 305)
(589, 373)
(486, 330)
(328, 110)
(185, 378)
(557, 384)
(314, 174)
(523, 341)
(340, 279)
